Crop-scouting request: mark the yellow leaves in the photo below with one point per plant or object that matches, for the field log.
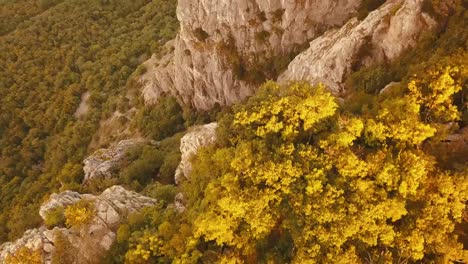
(278, 176)
(387, 237)
(235, 208)
(24, 255)
(314, 108)
(350, 129)
(79, 214)
(288, 115)
(403, 172)
(395, 210)
(230, 260)
(243, 157)
(214, 226)
(286, 149)
(164, 242)
(375, 132)
(435, 92)
(315, 181)
(411, 132)
(388, 176)
(454, 190)
(147, 246)
(415, 245)
(349, 165)
(330, 180)
(400, 121)
(348, 256)
(413, 170)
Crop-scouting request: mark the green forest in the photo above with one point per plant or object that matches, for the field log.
(295, 175)
(52, 52)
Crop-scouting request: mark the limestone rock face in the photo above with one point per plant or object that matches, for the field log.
(219, 41)
(88, 242)
(104, 162)
(160, 75)
(59, 200)
(189, 145)
(382, 36)
(33, 239)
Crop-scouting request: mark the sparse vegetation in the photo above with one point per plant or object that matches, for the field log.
(64, 250)
(277, 15)
(55, 217)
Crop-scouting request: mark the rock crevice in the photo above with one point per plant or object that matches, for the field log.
(197, 138)
(381, 37)
(88, 242)
(226, 48)
(223, 47)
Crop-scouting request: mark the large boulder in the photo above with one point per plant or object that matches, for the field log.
(33, 239)
(103, 163)
(89, 242)
(382, 36)
(197, 138)
(220, 41)
(56, 200)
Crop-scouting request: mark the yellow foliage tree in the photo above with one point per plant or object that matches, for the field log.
(435, 90)
(287, 112)
(327, 187)
(25, 255)
(79, 214)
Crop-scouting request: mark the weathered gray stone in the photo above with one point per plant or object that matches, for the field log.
(89, 241)
(48, 247)
(382, 36)
(59, 200)
(179, 203)
(217, 36)
(32, 239)
(104, 162)
(189, 145)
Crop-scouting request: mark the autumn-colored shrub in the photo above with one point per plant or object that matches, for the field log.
(328, 186)
(64, 250)
(24, 255)
(79, 214)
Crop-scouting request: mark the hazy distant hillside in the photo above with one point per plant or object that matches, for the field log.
(52, 52)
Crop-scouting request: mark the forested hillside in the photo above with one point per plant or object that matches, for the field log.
(299, 177)
(52, 52)
(294, 173)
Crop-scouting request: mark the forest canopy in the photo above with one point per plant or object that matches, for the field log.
(294, 178)
(296, 175)
(53, 52)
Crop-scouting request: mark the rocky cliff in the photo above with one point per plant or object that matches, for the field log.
(382, 36)
(87, 243)
(225, 48)
(104, 163)
(197, 138)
